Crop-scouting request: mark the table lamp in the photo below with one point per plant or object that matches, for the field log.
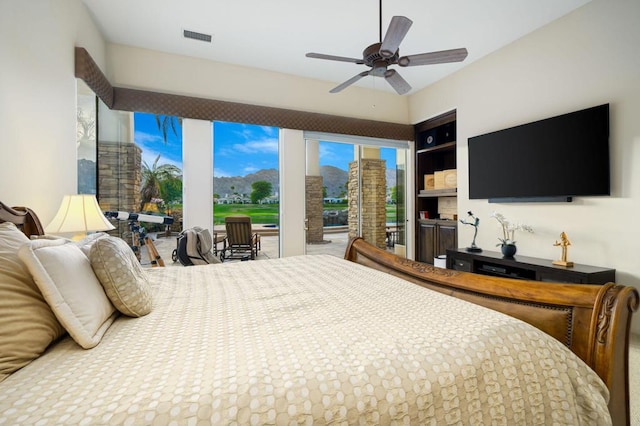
(79, 214)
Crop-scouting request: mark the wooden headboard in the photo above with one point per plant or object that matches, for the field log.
(23, 217)
(592, 320)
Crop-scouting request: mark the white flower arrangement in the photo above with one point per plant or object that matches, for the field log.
(509, 229)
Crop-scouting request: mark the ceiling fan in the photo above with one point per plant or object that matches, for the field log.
(379, 56)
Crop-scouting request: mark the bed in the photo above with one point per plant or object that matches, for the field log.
(368, 339)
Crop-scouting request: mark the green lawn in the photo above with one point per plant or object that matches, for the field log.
(268, 213)
(259, 213)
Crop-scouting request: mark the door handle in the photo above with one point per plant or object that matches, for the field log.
(306, 224)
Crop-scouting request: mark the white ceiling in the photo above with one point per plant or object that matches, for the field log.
(275, 34)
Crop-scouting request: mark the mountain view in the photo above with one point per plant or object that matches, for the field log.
(334, 179)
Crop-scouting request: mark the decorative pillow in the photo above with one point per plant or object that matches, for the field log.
(121, 275)
(27, 324)
(64, 276)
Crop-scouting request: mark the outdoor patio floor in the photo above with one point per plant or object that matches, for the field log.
(335, 245)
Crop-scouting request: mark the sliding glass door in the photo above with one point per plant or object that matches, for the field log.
(354, 187)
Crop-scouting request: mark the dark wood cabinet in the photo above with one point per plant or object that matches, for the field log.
(525, 267)
(426, 241)
(447, 236)
(434, 238)
(435, 152)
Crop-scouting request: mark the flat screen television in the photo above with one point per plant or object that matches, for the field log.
(553, 159)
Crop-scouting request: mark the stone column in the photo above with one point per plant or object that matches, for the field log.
(119, 167)
(313, 194)
(313, 209)
(119, 179)
(372, 202)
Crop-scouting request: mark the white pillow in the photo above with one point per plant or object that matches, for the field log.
(84, 244)
(64, 276)
(87, 242)
(48, 237)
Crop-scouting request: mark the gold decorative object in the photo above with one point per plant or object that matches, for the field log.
(564, 243)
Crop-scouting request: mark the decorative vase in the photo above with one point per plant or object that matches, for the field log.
(508, 250)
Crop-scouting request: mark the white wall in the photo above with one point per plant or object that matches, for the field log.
(585, 59)
(38, 99)
(197, 177)
(292, 154)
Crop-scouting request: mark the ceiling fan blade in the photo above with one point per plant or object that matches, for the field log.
(397, 82)
(349, 82)
(398, 28)
(334, 58)
(441, 57)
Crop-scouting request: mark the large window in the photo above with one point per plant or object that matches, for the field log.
(245, 174)
(139, 170)
(246, 181)
(159, 138)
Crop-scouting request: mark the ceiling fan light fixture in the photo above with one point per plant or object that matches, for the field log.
(380, 56)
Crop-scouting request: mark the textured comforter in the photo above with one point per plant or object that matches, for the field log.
(306, 340)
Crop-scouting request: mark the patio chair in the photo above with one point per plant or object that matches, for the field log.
(241, 243)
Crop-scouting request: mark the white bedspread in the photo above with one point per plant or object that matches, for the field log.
(306, 340)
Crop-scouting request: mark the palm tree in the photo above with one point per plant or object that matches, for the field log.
(166, 124)
(151, 178)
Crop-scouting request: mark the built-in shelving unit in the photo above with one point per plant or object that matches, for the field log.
(438, 193)
(436, 207)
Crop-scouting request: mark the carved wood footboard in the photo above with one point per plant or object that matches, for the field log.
(592, 320)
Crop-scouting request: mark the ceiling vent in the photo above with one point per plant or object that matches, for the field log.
(197, 36)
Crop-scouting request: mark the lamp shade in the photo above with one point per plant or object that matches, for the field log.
(78, 214)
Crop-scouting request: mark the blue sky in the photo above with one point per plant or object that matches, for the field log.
(149, 138)
(239, 149)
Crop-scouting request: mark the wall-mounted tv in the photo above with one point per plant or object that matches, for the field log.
(553, 159)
